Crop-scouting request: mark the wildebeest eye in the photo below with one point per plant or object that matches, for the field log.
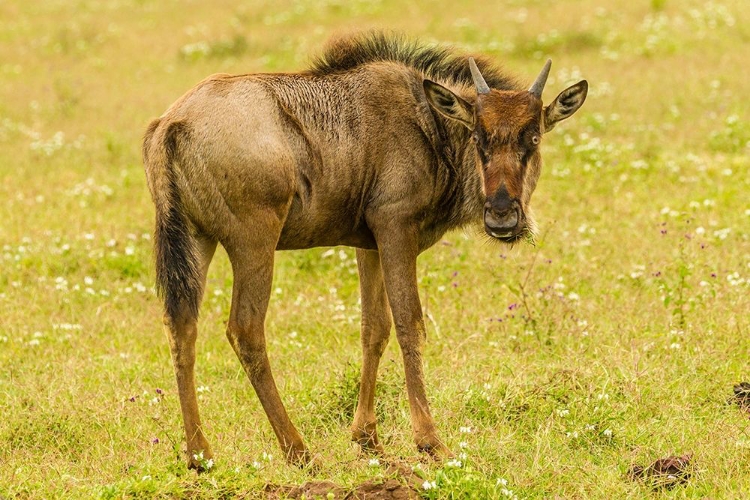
(474, 138)
(535, 140)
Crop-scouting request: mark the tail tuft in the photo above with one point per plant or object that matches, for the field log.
(177, 269)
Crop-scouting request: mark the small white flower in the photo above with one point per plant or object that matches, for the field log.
(607, 432)
(203, 388)
(564, 412)
(129, 250)
(429, 485)
(146, 478)
(374, 462)
(453, 463)
(465, 430)
(88, 280)
(463, 445)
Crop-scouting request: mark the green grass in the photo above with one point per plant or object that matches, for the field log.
(615, 341)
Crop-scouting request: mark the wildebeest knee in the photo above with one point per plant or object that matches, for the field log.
(410, 342)
(249, 345)
(376, 334)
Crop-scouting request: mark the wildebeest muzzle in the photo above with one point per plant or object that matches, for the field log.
(503, 217)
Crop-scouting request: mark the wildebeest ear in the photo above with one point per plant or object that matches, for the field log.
(565, 104)
(448, 104)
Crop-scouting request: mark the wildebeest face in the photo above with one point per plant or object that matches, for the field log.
(507, 128)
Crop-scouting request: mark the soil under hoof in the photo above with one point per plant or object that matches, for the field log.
(402, 484)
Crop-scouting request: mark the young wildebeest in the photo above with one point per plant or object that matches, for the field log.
(383, 145)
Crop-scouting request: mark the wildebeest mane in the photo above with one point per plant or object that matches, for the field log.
(439, 63)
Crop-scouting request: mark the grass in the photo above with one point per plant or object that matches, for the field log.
(615, 341)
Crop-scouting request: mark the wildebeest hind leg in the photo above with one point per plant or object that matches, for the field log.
(376, 328)
(252, 258)
(182, 332)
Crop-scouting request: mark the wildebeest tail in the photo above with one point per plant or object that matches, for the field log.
(178, 280)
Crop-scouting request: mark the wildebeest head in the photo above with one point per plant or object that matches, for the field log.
(507, 128)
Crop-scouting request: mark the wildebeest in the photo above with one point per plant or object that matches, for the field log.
(383, 145)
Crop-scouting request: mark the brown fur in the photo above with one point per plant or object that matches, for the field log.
(352, 153)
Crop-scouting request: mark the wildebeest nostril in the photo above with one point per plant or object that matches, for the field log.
(505, 221)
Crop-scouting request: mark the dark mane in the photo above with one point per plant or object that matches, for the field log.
(439, 63)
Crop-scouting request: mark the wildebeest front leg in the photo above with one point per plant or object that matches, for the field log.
(252, 266)
(376, 328)
(398, 257)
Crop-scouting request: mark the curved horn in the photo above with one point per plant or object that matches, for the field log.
(479, 82)
(538, 85)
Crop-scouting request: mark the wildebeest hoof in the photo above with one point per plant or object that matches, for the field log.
(302, 458)
(200, 461)
(367, 439)
(437, 451)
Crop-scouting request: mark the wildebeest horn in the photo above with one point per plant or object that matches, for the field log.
(481, 85)
(538, 85)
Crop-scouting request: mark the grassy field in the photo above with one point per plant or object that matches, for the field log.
(552, 369)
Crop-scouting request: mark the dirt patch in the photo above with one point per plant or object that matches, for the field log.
(665, 472)
(741, 397)
(400, 483)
